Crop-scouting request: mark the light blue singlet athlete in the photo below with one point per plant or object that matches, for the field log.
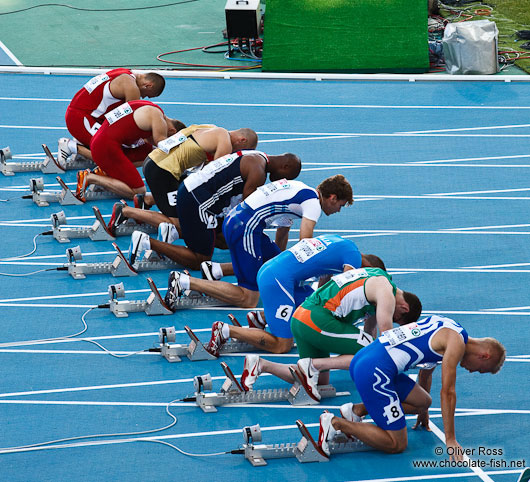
(279, 279)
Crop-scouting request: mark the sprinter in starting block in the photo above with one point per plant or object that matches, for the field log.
(97, 97)
(120, 142)
(326, 321)
(387, 393)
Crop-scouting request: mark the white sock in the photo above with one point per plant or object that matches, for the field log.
(184, 281)
(226, 331)
(72, 145)
(217, 270)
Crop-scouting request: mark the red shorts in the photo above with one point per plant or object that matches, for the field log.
(80, 125)
(117, 161)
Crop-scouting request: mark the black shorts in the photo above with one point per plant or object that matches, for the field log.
(163, 187)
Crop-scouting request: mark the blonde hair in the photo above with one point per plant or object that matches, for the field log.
(496, 350)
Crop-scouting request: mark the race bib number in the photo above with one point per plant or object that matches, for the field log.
(95, 82)
(364, 338)
(401, 334)
(393, 411)
(211, 221)
(172, 198)
(349, 276)
(284, 312)
(272, 187)
(306, 249)
(118, 113)
(173, 141)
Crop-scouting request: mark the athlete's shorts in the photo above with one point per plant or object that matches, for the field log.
(280, 295)
(81, 125)
(318, 333)
(163, 186)
(381, 387)
(246, 263)
(115, 161)
(197, 236)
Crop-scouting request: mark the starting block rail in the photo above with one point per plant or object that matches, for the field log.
(195, 350)
(233, 393)
(49, 165)
(99, 231)
(65, 196)
(306, 450)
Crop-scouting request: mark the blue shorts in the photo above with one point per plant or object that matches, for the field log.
(380, 386)
(246, 264)
(195, 234)
(281, 295)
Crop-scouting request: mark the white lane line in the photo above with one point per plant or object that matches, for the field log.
(481, 192)
(317, 138)
(470, 129)
(331, 135)
(34, 220)
(102, 387)
(325, 106)
(106, 337)
(169, 437)
(439, 476)
(33, 127)
(447, 198)
(10, 54)
(511, 308)
(443, 231)
(491, 227)
(465, 159)
(73, 295)
(478, 471)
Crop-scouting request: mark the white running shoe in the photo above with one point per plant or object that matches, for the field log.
(207, 271)
(309, 377)
(256, 319)
(140, 242)
(63, 151)
(347, 413)
(167, 233)
(326, 432)
(251, 372)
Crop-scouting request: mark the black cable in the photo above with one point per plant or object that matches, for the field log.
(96, 9)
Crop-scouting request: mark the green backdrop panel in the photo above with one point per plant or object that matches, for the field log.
(346, 35)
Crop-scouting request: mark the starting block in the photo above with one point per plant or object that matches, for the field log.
(195, 350)
(233, 393)
(65, 196)
(120, 267)
(306, 450)
(154, 305)
(99, 231)
(49, 165)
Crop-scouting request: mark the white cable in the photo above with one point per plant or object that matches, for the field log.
(182, 451)
(24, 274)
(115, 355)
(34, 342)
(27, 254)
(8, 450)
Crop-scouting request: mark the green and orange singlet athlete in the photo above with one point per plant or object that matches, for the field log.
(324, 322)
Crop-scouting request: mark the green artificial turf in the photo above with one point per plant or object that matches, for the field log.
(346, 36)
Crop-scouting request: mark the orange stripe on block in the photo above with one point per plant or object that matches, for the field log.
(333, 303)
(303, 315)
